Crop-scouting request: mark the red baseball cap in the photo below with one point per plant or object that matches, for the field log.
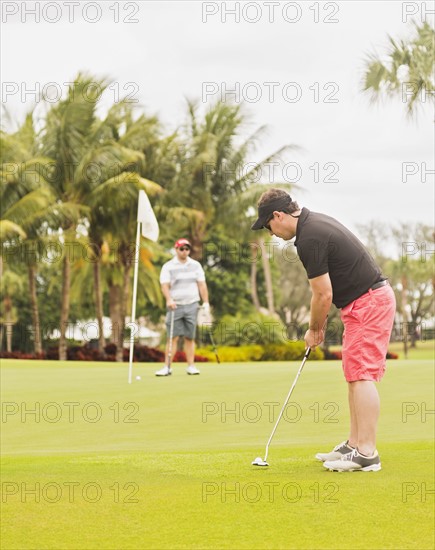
(182, 242)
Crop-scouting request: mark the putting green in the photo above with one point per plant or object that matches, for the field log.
(92, 462)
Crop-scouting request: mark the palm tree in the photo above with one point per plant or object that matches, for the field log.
(87, 155)
(9, 231)
(66, 142)
(28, 207)
(413, 280)
(12, 284)
(212, 188)
(409, 70)
(238, 214)
(113, 206)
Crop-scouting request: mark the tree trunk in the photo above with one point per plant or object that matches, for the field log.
(125, 296)
(35, 310)
(9, 322)
(115, 302)
(414, 329)
(405, 315)
(2, 327)
(64, 312)
(413, 337)
(99, 304)
(254, 291)
(267, 278)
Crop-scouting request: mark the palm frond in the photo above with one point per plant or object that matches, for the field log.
(32, 203)
(10, 230)
(407, 71)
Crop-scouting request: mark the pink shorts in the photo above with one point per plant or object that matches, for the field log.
(368, 322)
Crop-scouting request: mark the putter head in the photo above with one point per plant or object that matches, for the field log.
(259, 462)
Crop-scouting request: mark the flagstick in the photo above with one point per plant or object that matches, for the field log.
(133, 305)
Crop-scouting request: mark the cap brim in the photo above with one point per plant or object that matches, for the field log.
(259, 224)
(265, 211)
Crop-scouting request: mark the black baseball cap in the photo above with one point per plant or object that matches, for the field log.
(266, 210)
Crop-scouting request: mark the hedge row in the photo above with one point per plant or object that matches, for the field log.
(338, 355)
(142, 354)
(291, 351)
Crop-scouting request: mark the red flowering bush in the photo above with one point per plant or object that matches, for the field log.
(180, 357)
(142, 354)
(333, 355)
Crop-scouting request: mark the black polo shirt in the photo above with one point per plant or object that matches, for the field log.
(324, 245)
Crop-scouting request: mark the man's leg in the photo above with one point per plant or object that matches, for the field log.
(365, 399)
(190, 319)
(353, 435)
(166, 371)
(367, 327)
(189, 348)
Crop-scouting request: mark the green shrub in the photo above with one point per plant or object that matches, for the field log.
(249, 330)
(230, 354)
(291, 351)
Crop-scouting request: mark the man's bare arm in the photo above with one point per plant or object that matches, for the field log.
(170, 304)
(321, 301)
(203, 291)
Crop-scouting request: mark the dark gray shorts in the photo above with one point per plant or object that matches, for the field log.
(184, 320)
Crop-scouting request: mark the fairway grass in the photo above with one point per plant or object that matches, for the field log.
(166, 463)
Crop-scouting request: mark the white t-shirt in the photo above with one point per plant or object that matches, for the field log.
(183, 279)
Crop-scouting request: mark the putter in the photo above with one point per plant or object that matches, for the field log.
(263, 462)
(171, 335)
(214, 346)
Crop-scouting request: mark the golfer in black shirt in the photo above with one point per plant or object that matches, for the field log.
(341, 271)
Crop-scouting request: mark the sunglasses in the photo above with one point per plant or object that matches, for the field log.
(183, 248)
(267, 224)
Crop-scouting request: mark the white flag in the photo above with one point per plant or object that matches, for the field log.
(145, 215)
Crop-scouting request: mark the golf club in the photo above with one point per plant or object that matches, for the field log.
(263, 462)
(214, 346)
(171, 334)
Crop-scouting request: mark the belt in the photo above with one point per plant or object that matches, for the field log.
(379, 284)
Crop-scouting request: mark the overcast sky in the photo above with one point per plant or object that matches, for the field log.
(299, 77)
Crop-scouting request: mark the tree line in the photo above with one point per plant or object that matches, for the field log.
(69, 185)
(69, 188)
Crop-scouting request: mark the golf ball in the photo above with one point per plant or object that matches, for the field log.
(137, 377)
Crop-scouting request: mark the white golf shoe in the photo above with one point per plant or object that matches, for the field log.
(355, 462)
(165, 371)
(191, 369)
(336, 453)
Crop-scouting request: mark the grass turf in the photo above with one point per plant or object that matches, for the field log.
(166, 463)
